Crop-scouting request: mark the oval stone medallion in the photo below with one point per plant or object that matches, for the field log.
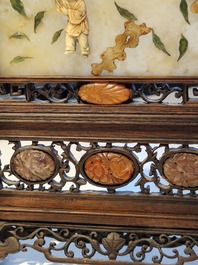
(33, 165)
(109, 168)
(104, 93)
(181, 170)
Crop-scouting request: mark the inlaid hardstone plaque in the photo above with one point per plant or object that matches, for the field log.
(97, 38)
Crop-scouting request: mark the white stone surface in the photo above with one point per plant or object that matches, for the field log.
(105, 23)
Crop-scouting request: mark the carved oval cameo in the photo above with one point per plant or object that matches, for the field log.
(181, 170)
(109, 168)
(104, 93)
(33, 165)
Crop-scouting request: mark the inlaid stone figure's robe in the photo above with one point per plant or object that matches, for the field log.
(77, 26)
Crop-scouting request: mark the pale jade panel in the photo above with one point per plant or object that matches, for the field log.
(38, 56)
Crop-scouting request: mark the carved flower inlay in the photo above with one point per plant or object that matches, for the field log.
(33, 165)
(182, 170)
(109, 168)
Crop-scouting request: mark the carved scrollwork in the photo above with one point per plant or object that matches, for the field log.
(156, 93)
(59, 93)
(152, 170)
(96, 93)
(16, 90)
(80, 244)
(10, 246)
(144, 168)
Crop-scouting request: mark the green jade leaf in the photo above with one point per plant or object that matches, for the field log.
(183, 46)
(37, 19)
(19, 7)
(159, 44)
(19, 35)
(125, 13)
(56, 36)
(20, 59)
(184, 10)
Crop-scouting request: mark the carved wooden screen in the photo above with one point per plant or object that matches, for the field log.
(101, 169)
(104, 183)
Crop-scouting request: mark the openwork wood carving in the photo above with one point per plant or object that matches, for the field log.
(119, 247)
(68, 93)
(65, 172)
(152, 168)
(10, 246)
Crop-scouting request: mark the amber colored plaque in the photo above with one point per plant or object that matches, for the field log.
(104, 93)
(181, 170)
(109, 168)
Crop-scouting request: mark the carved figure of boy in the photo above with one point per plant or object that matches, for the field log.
(77, 28)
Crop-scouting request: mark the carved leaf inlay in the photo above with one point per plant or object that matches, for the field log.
(33, 165)
(109, 168)
(104, 93)
(182, 170)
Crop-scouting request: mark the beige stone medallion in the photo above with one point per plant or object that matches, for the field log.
(181, 170)
(33, 165)
(104, 93)
(109, 168)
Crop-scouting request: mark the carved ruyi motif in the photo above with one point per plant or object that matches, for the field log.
(129, 93)
(81, 245)
(104, 93)
(182, 170)
(129, 39)
(73, 166)
(109, 168)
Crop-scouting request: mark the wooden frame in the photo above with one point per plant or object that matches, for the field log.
(46, 117)
(111, 215)
(30, 38)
